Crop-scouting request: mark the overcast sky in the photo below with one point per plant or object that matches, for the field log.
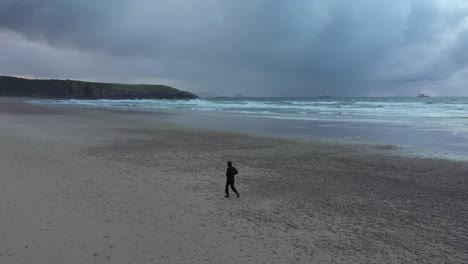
(254, 47)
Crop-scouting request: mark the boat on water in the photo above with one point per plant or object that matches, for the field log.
(422, 95)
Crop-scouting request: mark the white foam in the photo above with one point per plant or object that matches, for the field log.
(447, 112)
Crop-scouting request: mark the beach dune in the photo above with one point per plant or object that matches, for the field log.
(84, 185)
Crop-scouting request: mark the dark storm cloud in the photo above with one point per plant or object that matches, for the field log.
(256, 47)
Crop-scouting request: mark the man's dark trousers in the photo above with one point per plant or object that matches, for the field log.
(230, 181)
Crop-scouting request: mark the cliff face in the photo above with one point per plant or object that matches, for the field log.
(69, 89)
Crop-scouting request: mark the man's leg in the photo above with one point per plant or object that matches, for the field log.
(234, 188)
(227, 188)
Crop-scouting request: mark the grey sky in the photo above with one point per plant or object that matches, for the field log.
(255, 47)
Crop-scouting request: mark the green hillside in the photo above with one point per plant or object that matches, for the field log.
(71, 89)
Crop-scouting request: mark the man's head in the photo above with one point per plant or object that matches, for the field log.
(229, 164)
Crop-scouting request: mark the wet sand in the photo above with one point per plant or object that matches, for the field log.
(97, 186)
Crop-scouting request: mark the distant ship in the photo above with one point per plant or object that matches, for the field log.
(422, 95)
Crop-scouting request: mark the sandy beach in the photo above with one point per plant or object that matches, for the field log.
(84, 185)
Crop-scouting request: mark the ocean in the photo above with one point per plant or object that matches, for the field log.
(438, 124)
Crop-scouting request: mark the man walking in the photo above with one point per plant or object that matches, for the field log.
(230, 172)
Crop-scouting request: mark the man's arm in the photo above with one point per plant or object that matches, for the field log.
(235, 171)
